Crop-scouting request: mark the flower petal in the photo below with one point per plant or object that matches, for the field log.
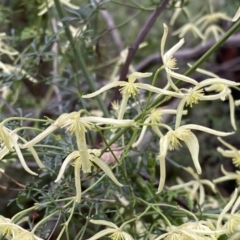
(164, 142)
(193, 146)
(107, 170)
(164, 38)
(133, 76)
(144, 128)
(207, 130)
(40, 136)
(172, 50)
(105, 223)
(21, 158)
(68, 159)
(226, 208)
(102, 233)
(105, 88)
(116, 122)
(181, 77)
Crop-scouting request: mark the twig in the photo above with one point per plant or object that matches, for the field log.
(7, 176)
(8, 188)
(55, 226)
(134, 47)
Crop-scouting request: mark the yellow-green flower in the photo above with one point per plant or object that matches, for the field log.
(130, 89)
(26, 235)
(172, 140)
(233, 219)
(181, 233)
(169, 62)
(194, 95)
(49, 3)
(77, 162)
(231, 153)
(178, 9)
(9, 143)
(78, 126)
(7, 228)
(215, 30)
(154, 119)
(211, 18)
(189, 27)
(116, 232)
(14, 232)
(228, 176)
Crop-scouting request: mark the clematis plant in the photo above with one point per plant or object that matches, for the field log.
(228, 176)
(233, 152)
(154, 119)
(78, 126)
(233, 219)
(194, 95)
(116, 232)
(169, 62)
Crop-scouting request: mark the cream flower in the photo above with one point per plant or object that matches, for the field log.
(116, 232)
(205, 229)
(77, 163)
(78, 125)
(26, 235)
(172, 140)
(233, 219)
(181, 233)
(154, 119)
(237, 15)
(189, 27)
(215, 30)
(210, 18)
(14, 232)
(9, 143)
(231, 153)
(193, 186)
(130, 89)
(178, 9)
(169, 62)
(194, 95)
(228, 176)
(223, 87)
(49, 3)
(7, 228)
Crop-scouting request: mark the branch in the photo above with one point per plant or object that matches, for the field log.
(134, 47)
(188, 53)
